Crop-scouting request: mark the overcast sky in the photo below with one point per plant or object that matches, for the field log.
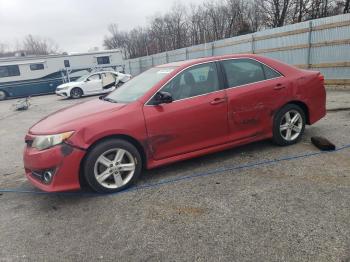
(75, 25)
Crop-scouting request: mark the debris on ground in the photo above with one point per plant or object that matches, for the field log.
(23, 104)
(322, 143)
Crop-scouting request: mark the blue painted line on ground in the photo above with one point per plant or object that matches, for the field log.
(189, 177)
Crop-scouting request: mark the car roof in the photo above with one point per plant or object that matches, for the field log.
(281, 67)
(206, 59)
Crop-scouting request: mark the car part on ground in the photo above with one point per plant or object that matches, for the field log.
(23, 104)
(322, 143)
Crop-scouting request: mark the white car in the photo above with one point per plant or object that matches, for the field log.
(94, 83)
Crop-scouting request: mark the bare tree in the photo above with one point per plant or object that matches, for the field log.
(216, 19)
(33, 45)
(276, 11)
(346, 7)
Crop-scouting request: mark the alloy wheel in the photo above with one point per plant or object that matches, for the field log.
(114, 168)
(76, 93)
(291, 125)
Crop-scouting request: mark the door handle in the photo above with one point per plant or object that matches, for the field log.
(218, 100)
(279, 87)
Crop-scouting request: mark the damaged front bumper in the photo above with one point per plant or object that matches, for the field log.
(54, 169)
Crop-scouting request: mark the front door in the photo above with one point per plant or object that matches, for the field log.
(93, 84)
(196, 119)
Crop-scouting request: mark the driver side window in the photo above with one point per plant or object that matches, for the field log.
(195, 81)
(94, 77)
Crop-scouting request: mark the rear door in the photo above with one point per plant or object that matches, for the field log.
(255, 91)
(108, 81)
(196, 119)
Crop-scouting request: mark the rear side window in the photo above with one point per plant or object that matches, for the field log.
(103, 60)
(246, 71)
(34, 67)
(270, 73)
(11, 70)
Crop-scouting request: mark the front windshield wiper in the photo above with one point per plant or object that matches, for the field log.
(109, 100)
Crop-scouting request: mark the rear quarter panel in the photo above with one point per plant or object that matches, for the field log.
(309, 88)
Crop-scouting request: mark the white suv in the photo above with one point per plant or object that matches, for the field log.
(94, 83)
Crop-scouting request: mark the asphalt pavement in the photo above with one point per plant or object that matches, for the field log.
(236, 205)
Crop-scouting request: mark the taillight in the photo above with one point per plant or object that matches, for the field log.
(321, 77)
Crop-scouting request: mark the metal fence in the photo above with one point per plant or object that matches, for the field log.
(321, 44)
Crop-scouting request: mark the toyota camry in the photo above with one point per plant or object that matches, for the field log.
(170, 113)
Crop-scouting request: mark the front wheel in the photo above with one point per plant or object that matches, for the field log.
(288, 125)
(76, 92)
(112, 165)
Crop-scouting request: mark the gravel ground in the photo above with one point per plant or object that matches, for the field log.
(295, 210)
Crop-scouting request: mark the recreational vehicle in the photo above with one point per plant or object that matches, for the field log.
(34, 75)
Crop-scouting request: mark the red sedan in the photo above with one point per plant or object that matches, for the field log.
(170, 113)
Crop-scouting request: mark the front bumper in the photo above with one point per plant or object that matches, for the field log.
(62, 92)
(63, 159)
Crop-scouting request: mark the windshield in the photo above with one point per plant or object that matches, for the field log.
(81, 79)
(139, 85)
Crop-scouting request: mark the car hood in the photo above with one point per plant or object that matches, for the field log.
(75, 117)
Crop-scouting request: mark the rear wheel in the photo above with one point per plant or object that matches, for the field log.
(289, 125)
(3, 95)
(76, 92)
(112, 165)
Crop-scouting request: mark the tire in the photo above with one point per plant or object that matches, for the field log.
(76, 92)
(103, 167)
(3, 95)
(288, 130)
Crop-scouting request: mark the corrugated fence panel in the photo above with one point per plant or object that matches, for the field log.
(177, 55)
(335, 73)
(297, 57)
(330, 54)
(322, 44)
(283, 41)
(146, 63)
(160, 59)
(199, 51)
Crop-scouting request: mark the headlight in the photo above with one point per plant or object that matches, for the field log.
(62, 87)
(47, 141)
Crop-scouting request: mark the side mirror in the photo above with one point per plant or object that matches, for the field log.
(162, 98)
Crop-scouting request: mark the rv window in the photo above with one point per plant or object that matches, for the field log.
(34, 67)
(66, 63)
(12, 70)
(103, 60)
